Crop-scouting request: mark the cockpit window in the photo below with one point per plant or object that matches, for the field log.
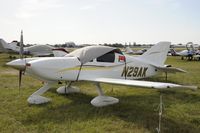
(118, 51)
(108, 57)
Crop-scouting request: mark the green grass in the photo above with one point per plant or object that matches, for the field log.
(136, 111)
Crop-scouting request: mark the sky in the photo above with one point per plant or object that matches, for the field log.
(100, 21)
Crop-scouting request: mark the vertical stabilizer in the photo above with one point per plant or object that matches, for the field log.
(129, 50)
(157, 54)
(2, 49)
(4, 44)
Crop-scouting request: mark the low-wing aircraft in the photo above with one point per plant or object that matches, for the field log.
(39, 50)
(35, 50)
(98, 64)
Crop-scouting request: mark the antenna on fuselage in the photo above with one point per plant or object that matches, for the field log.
(160, 109)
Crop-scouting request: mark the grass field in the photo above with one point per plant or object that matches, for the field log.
(135, 113)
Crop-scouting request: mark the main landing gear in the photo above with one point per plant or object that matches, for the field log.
(98, 101)
(103, 100)
(68, 89)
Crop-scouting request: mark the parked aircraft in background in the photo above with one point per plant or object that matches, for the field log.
(59, 52)
(39, 50)
(189, 53)
(97, 64)
(35, 50)
(9, 47)
(128, 50)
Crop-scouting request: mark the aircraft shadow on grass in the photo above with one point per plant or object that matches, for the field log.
(138, 109)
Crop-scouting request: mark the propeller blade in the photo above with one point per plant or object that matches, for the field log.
(65, 87)
(20, 79)
(21, 46)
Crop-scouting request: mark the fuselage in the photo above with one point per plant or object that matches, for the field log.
(186, 53)
(70, 68)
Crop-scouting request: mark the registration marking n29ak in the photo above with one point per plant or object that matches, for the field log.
(131, 71)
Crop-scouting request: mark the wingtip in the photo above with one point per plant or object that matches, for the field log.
(194, 88)
(181, 70)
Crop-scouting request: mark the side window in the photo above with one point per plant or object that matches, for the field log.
(108, 57)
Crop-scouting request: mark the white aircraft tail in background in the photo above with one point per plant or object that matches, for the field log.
(129, 50)
(2, 48)
(9, 47)
(3, 43)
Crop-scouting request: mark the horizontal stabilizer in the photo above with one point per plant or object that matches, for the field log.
(170, 69)
(138, 83)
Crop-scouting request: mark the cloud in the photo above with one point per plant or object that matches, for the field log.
(170, 4)
(94, 4)
(88, 7)
(30, 8)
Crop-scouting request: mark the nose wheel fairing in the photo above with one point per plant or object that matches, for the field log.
(36, 97)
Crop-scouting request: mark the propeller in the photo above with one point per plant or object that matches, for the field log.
(21, 57)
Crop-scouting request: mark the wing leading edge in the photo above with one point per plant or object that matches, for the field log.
(138, 83)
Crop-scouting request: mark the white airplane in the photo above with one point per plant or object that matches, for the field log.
(188, 53)
(98, 64)
(36, 50)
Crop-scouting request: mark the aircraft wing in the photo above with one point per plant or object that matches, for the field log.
(196, 56)
(41, 54)
(139, 83)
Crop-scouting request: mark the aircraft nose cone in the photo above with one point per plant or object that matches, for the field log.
(18, 64)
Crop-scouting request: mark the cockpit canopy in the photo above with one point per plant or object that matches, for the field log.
(89, 53)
